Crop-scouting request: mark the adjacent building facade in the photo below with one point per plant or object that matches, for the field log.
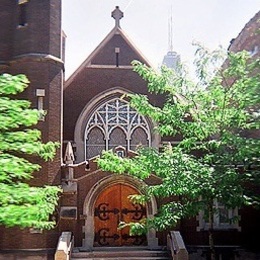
(31, 44)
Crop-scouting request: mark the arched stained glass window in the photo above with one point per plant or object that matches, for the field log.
(117, 138)
(96, 142)
(138, 138)
(113, 124)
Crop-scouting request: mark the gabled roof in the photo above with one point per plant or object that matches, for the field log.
(115, 32)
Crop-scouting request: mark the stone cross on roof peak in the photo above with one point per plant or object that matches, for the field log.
(117, 14)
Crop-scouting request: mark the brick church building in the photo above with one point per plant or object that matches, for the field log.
(86, 114)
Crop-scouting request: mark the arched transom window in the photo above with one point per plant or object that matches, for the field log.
(113, 124)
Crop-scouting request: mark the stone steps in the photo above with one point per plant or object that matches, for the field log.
(122, 254)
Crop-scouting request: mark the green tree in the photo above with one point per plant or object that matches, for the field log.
(20, 204)
(214, 160)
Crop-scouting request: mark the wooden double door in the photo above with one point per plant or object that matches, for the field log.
(112, 207)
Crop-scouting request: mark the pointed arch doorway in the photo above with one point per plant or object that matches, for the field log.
(101, 221)
(112, 207)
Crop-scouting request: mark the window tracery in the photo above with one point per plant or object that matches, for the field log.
(113, 124)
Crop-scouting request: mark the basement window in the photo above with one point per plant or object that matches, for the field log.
(222, 219)
(22, 12)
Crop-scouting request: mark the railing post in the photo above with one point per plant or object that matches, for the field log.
(177, 246)
(64, 247)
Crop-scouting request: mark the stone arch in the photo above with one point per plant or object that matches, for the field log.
(88, 207)
(88, 110)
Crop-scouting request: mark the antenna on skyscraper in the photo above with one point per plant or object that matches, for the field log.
(172, 58)
(170, 33)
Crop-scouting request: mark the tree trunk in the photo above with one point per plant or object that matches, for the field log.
(211, 240)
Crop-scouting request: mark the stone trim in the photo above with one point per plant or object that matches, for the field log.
(96, 66)
(35, 57)
(79, 133)
(88, 208)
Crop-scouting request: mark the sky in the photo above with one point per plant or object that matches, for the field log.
(212, 22)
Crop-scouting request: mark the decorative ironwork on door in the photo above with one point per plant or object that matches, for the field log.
(111, 207)
(102, 211)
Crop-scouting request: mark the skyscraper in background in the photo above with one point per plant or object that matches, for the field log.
(172, 58)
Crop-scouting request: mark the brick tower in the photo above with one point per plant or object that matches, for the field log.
(31, 43)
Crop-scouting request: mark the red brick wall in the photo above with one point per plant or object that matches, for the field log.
(107, 55)
(42, 35)
(43, 32)
(249, 37)
(6, 29)
(91, 82)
